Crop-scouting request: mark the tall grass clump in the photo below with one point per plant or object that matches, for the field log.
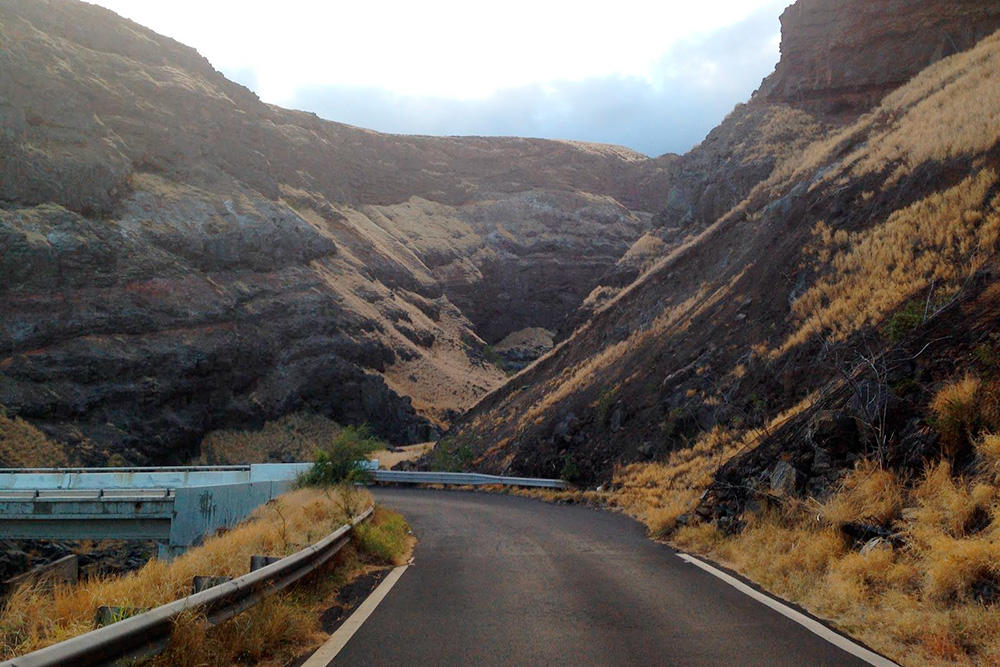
(383, 539)
(337, 462)
(955, 410)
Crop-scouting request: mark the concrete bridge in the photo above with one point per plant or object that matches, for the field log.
(176, 507)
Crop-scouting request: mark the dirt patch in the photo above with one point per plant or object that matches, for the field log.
(389, 458)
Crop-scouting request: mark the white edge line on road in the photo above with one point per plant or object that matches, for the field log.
(812, 625)
(338, 640)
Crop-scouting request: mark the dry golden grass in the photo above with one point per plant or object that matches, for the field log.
(866, 275)
(949, 110)
(915, 600)
(870, 494)
(955, 409)
(24, 446)
(658, 493)
(295, 437)
(988, 451)
(36, 616)
(915, 604)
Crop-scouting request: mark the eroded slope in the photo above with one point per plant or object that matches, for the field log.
(747, 317)
(179, 257)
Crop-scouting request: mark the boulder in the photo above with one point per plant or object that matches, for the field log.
(833, 431)
(617, 418)
(785, 479)
(647, 450)
(873, 404)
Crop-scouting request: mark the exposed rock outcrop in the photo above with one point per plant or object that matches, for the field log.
(180, 257)
(521, 348)
(844, 56)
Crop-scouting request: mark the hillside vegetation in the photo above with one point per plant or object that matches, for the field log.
(24, 446)
(291, 439)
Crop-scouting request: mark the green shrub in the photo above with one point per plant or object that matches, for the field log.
(570, 470)
(337, 463)
(669, 426)
(905, 320)
(915, 313)
(988, 353)
(605, 403)
(451, 456)
(492, 356)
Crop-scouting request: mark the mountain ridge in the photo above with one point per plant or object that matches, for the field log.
(272, 261)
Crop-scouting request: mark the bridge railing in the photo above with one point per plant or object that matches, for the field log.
(12, 479)
(175, 506)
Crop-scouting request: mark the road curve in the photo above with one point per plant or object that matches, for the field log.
(501, 580)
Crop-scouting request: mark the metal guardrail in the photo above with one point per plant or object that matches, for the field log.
(147, 634)
(463, 479)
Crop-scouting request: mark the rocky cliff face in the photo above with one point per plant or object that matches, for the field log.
(178, 256)
(844, 56)
(703, 185)
(839, 58)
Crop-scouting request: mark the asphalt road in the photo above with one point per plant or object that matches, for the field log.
(501, 580)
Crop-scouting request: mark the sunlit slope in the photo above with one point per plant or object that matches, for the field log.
(737, 323)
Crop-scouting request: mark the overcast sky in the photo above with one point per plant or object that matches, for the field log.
(652, 76)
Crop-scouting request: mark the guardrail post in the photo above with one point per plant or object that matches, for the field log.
(203, 583)
(257, 562)
(165, 551)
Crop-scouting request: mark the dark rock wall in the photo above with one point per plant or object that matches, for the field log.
(843, 56)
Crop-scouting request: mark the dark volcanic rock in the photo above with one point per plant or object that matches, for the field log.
(843, 56)
(178, 256)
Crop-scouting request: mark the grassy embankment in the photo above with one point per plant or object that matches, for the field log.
(269, 633)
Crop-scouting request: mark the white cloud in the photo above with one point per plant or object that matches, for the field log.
(441, 57)
(447, 48)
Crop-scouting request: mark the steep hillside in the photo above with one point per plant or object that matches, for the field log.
(738, 320)
(180, 257)
(839, 59)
